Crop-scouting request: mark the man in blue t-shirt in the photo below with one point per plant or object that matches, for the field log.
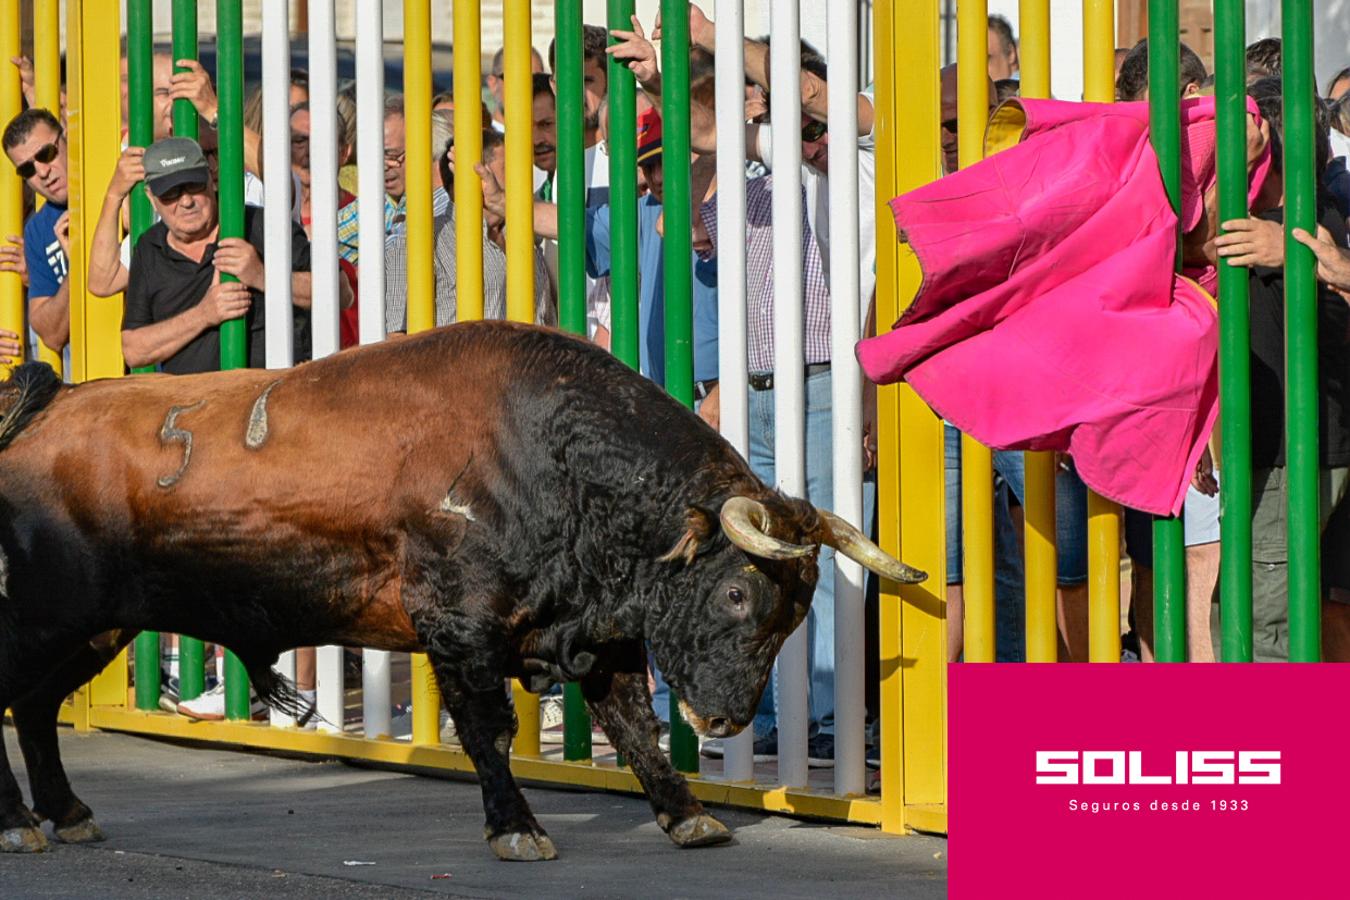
(36, 145)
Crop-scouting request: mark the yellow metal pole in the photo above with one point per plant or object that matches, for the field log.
(1041, 580)
(519, 98)
(417, 163)
(47, 54)
(910, 482)
(47, 80)
(977, 467)
(1099, 49)
(93, 127)
(11, 186)
(426, 697)
(519, 163)
(1033, 49)
(1039, 468)
(468, 152)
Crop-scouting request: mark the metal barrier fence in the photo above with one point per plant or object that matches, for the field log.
(913, 781)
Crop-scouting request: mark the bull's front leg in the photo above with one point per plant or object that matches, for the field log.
(486, 724)
(621, 704)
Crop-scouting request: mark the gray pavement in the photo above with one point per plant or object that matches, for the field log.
(213, 823)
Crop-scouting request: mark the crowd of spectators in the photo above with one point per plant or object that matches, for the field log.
(176, 300)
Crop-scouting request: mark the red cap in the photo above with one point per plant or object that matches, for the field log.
(648, 135)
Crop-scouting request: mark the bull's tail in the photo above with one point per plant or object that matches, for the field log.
(279, 693)
(29, 389)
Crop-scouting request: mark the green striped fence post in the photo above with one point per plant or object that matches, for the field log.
(141, 131)
(233, 334)
(678, 259)
(623, 273)
(1235, 389)
(570, 194)
(1164, 92)
(1300, 310)
(191, 659)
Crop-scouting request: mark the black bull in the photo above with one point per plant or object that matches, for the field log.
(510, 500)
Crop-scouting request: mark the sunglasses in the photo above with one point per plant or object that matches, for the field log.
(46, 154)
(813, 131)
(174, 194)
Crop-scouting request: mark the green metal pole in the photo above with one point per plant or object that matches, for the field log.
(1300, 310)
(679, 266)
(1164, 92)
(141, 132)
(184, 47)
(570, 193)
(1235, 387)
(191, 655)
(623, 287)
(233, 334)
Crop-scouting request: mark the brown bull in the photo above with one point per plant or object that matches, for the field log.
(512, 501)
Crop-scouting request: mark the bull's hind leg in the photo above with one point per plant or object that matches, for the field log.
(486, 724)
(35, 719)
(622, 706)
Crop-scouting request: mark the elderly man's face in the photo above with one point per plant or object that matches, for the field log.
(44, 150)
(545, 123)
(189, 210)
(395, 156)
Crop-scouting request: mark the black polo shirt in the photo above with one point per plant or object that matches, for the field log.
(165, 283)
(1333, 361)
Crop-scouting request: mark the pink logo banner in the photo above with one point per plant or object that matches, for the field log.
(1149, 780)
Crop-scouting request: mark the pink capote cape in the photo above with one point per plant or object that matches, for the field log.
(1049, 316)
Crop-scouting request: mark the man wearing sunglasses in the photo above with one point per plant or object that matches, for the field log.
(36, 146)
(175, 299)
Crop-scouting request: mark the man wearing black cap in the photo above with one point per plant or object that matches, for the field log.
(175, 299)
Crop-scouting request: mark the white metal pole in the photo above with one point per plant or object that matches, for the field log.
(323, 194)
(846, 402)
(789, 387)
(375, 664)
(323, 175)
(738, 760)
(276, 63)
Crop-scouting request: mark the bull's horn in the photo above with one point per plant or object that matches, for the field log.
(744, 521)
(851, 542)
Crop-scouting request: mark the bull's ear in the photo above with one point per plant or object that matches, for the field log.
(699, 526)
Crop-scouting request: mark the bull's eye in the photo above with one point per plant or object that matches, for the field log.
(737, 598)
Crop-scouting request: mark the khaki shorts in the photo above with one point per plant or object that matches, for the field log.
(1270, 554)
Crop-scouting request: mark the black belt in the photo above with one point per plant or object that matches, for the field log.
(763, 381)
(703, 388)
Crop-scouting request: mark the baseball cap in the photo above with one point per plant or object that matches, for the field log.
(173, 162)
(648, 135)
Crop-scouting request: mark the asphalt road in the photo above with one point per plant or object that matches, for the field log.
(192, 822)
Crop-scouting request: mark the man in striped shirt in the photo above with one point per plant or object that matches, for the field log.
(446, 249)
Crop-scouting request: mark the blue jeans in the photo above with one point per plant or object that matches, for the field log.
(1070, 513)
(1009, 582)
(820, 492)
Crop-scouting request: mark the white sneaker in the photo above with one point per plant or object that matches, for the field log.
(551, 713)
(210, 706)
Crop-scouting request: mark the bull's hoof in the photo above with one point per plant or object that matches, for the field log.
(22, 840)
(85, 831)
(522, 846)
(701, 830)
